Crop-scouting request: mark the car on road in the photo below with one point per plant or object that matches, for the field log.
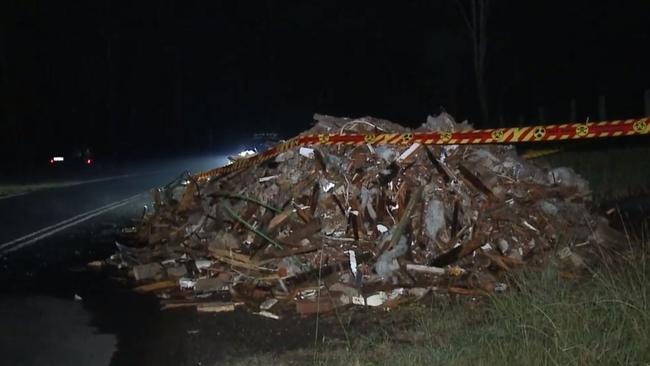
(73, 159)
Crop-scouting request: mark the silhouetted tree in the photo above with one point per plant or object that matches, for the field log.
(475, 14)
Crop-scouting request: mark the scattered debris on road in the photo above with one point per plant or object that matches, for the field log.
(325, 227)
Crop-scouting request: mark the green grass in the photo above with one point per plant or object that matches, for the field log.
(547, 321)
(606, 321)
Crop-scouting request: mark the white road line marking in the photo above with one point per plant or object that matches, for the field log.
(79, 183)
(53, 229)
(58, 224)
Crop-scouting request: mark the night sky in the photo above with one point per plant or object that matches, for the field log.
(152, 78)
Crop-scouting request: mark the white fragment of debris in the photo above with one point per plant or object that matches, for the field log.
(216, 307)
(186, 283)
(503, 246)
(486, 246)
(96, 264)
(77, 297)
(531, 227)
(268, 314)
(387, 262)
(268, 303)
(434, 218)
(377, 299)
(168, 262)
(358, 300)
(307, 152)
(328, 186)
(192, 331)
(448, 149)
(202, 264)
(418, 292)
(300, 206)
(427, 269)
(308, 293)
(353, 262)
(266, 179)
(408, 152)
(397, 293)
(500, 287)
(381, 228)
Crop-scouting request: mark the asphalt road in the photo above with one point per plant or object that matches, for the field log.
(25, 214)
(55, 311)
(43, 318)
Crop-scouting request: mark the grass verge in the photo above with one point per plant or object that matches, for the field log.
(603, 320)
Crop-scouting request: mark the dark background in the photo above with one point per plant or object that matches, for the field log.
(142, 79)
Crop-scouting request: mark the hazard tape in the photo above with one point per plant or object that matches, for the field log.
(542, 133)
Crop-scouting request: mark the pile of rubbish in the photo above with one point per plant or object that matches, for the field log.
(322, 227)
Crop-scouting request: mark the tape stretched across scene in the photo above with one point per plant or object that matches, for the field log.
(540, 133)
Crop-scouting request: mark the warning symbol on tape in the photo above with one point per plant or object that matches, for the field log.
(640, 126)
(582, 130)
(498, 135)
(539, 132)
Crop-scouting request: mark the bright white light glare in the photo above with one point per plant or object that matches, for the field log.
(247, 153)
(58, 158)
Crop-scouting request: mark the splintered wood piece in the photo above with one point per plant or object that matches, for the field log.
(156, 286)
(356, 217)
(299, 188)
(474, 181)
(496, 260)
(416, 196)
(465, 291)
(321, 164)
(338, 203)
(279, 219)
(292, 251)
(216, 307)
(460, 251)
(315, 194)
(304, 216)
(437, 165)
(454, 222)
(302, 232)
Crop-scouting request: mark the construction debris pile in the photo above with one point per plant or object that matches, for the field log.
(321, 227)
